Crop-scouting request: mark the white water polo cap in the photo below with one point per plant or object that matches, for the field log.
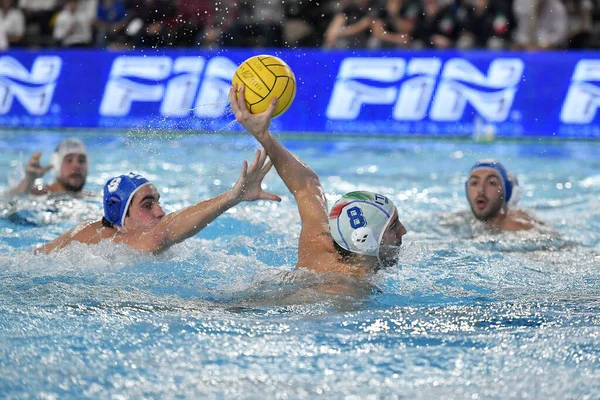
(67, 146)
(358, 221)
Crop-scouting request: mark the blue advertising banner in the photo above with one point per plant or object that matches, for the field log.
(502, 94)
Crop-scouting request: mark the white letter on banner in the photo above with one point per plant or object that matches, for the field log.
(349, 95)
(452, 95)
(182, 89)
(583, 98)
(212, 99)
(35, 99)
(415, 93)
(120, 92)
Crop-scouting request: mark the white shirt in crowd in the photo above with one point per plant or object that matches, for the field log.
(72, 28)
(3, 38)
(541, 22)
(37, 5)
(13, 21)
(89, 8)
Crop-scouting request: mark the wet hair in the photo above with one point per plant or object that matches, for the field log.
(347, 254)
(343, 252)
(107, 224)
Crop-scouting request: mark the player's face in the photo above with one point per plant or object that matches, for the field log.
(73, 172)
(144, 211)
(485, 193)
(391, 241)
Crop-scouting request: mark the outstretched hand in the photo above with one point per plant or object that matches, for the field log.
(34, 169)
(256, 124)
(248, 186)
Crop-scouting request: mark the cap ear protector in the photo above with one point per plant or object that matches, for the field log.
(507, 184)
(516, 189)
(358, 221)
(118, 193)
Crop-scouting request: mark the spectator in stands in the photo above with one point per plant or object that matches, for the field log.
(395, 23)
(38, 14)
(3, 38)
(89, 8)
(580, 23)
(218, 21)
(73, 26)
(13, 23)
(541, 24)
(111, 19)
(351, 26)
(484, 24)
(437, 26)
(259, 23)
(306, 22)
(191, 18)
(152, 23)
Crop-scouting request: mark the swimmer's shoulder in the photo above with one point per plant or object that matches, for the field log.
(87, 232)
(152, 241)
(315, 247)
(319, 254)
(90, 194)
(520, 220)
(83, 194)
(336, 283)
(90, 232)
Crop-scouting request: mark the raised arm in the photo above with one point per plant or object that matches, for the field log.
(33, 171)
(301, 181)
(181, 225)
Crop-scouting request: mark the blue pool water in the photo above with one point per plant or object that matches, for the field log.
(466, 315)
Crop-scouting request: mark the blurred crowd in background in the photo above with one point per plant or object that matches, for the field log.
(371, 24)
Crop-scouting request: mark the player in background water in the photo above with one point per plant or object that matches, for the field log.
(492, 192)
(70, 164)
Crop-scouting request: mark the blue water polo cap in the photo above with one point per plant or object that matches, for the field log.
(358, 221)
(118, 193)
(507, 184)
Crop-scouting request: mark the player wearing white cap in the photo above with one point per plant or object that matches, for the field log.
(360, 234)
(70, 165)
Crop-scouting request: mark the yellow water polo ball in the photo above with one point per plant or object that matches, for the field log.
(266, 77)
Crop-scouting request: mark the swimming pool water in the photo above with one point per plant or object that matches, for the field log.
(465, 314)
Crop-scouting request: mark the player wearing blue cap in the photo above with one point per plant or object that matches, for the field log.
(491, 190)
(361, 232)
(133, 215)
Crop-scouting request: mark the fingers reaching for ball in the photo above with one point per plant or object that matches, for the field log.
(256, 124)
(240, 107)
(236, 99)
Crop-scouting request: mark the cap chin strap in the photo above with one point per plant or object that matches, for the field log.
(56, 163)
